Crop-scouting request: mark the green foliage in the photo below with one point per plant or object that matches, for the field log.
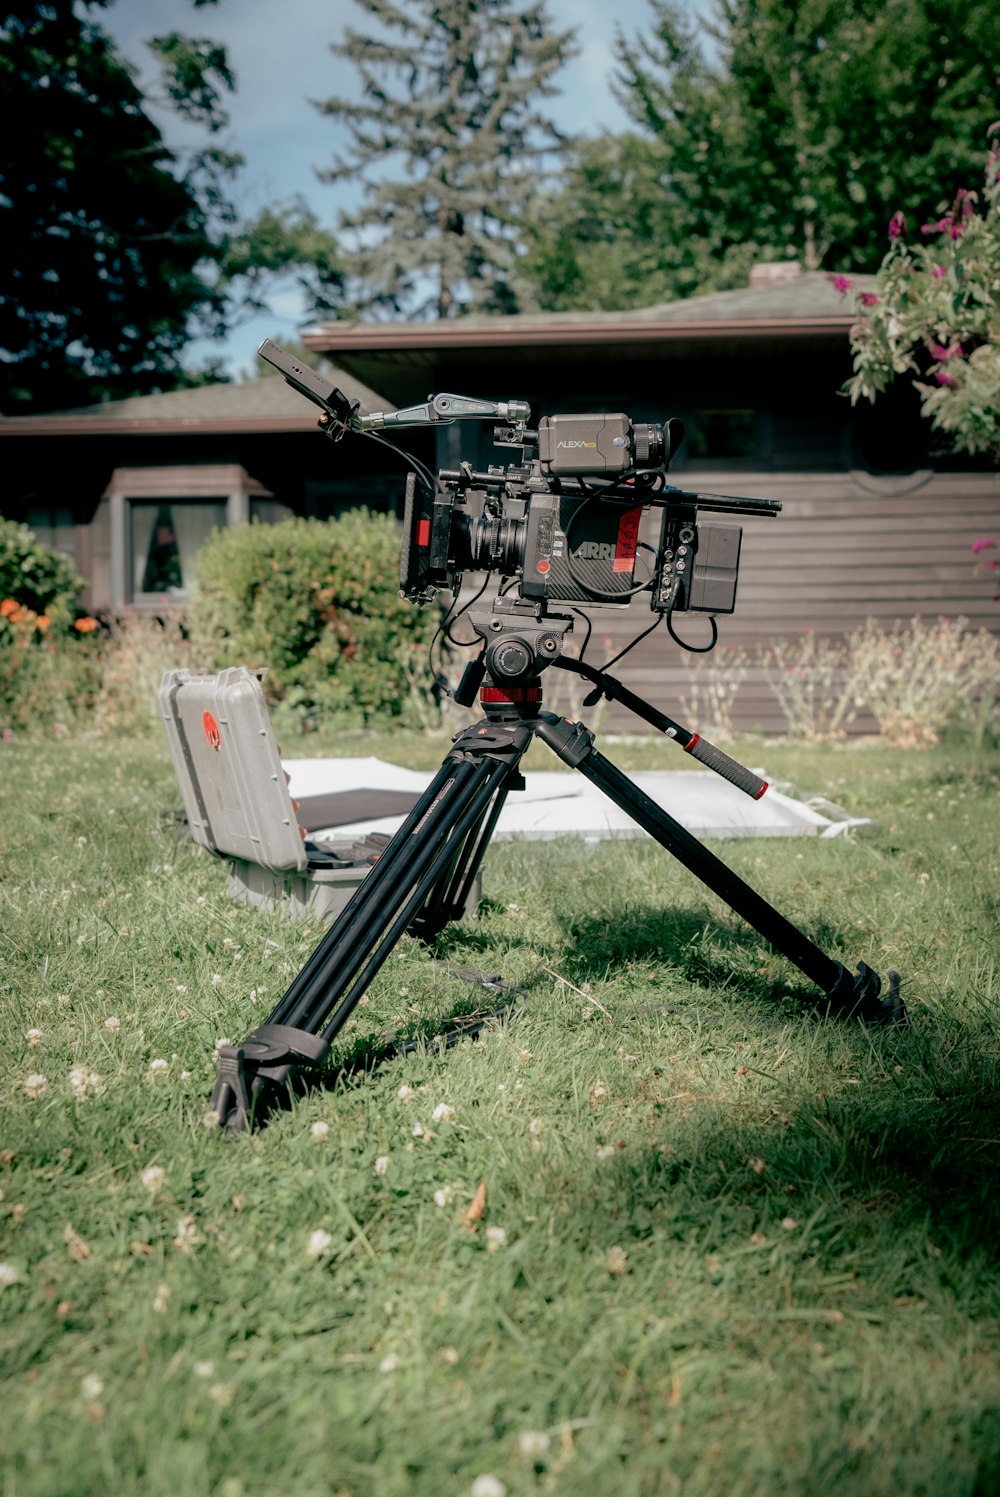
(35, 577)
(448, 141)
(115, 249)
(934, 315)
(776, 130)
(102, 232)
(317, 603)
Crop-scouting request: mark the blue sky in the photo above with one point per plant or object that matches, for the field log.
(280, 53)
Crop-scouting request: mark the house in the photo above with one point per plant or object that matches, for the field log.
(875, 522)
(130, 489)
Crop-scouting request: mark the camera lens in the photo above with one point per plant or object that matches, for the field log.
(647, 444)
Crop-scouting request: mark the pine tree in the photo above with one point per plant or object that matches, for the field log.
(451, 146)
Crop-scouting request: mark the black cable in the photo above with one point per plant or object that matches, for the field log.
(694, 649)
(638, 639)
(421, 469)
(590, 629)
(450, 623)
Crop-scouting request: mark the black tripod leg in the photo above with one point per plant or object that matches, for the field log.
(448, 899)
(858, 995)
(427, 851)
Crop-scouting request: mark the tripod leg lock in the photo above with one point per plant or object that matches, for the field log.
(267, 1055)
(858, 996)
(570, 741)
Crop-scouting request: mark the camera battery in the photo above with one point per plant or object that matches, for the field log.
(700, 565)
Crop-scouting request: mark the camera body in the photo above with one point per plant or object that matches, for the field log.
(585, 519)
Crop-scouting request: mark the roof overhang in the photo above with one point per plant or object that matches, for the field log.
(61, 425)
(515, 332)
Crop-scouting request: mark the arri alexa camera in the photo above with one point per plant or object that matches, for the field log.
(584, 516)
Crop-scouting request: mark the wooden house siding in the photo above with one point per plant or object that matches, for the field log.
(843, 549)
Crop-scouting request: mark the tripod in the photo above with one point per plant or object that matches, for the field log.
(422, 879)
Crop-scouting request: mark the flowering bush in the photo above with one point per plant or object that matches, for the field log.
(919, 680)
(42, 581)
(935, 315)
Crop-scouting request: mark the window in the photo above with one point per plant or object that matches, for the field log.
(166, 536)
(722, 434)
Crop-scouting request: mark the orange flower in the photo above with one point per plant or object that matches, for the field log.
(42, 622)
(7, 607)
(86, 626)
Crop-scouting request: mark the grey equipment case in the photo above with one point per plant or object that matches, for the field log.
(237, 803)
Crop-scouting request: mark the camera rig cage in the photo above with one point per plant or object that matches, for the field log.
(563, 524)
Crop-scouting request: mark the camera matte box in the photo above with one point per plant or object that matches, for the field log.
(237, 804)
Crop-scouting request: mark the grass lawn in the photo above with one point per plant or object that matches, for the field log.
(727, 1247)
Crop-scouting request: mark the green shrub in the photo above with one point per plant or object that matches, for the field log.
(37, 578)
(317, 603)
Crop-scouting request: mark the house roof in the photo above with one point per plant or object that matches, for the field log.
(258, 405)
(800, 303)
(801, 313)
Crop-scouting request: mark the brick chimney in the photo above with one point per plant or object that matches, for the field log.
(771, 272)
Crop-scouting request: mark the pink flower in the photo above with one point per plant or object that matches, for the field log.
(984, 543)
(869, 298)
(938, 272)
(840, 283)
(897, 225)
(945, 379)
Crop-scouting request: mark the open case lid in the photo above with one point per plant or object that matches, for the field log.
(228, 768)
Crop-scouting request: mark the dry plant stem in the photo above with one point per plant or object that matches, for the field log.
(712, 687)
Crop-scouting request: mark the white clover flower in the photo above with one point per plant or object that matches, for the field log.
(84, 1081)
(159, 1067)
(487, 1485)
(319, 1243)
(389, 1363)
(405, 1093)
(616, 1260)
(443, 1113)
(218, 1046)
(606, 1151)
(35, 1084)
(34, 1038)
(112, 1024)
(319, 1130)
(448, 1355)
(598, 1092)
(210, 1118)
(496, 1238)
(91, 1386)
(153, 1177)
(443, 1196)
(535, 1127)
(8, 1275)
(161, 1299)
(204, 1369)
(419, 1131)
(222, 1394)
(533, 1443)
(187, 1234)
(381, 1164)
